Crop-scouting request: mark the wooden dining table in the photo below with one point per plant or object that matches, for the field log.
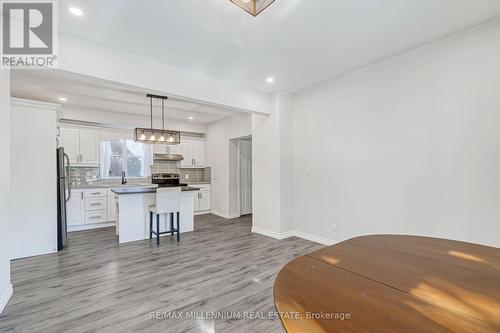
(392, 283)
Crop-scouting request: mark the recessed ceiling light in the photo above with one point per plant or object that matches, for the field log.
(270, 80)
(75, 11)
(63, 99)
(191, 118)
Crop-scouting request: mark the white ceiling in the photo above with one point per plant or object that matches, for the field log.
(299, 42)
(96, 94)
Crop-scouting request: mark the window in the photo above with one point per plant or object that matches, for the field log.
(125, 155)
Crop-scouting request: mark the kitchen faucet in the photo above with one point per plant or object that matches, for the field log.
(124, 179)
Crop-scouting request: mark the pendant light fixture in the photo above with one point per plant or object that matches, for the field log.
(253, 7)
(157, 136)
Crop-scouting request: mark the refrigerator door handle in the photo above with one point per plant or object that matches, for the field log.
(67, 176)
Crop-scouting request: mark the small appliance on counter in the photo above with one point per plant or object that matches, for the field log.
(166, 179)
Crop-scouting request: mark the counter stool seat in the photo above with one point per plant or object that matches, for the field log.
(168, 201)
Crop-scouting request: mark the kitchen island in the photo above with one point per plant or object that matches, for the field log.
(133, 212)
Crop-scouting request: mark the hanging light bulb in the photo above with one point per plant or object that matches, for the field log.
(152, 138)
(143, 136)
(171, 138)
(162, 138)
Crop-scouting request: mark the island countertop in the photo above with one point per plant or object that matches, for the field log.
(143, 190)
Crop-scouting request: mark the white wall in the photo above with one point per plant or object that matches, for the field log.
(272, 169)
(127, 120)
(410, 145)
(33, 178)
(218, 138)
(5, 285)
(87, 58)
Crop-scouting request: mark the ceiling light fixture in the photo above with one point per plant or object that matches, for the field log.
(254, 7)
(63, 99)
(154, 136)
(75, 11)
(270, 80)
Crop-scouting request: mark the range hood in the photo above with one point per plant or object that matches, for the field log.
(168, 157)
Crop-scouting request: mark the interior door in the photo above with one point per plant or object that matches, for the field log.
(245, 147)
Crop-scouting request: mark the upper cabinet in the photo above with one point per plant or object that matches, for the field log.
(193, 151)
(69, 138)
(81, 145)
(89, 147)
(167, 149)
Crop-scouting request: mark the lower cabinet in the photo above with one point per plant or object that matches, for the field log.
(202, 200)
(75, 208)
(89, 208)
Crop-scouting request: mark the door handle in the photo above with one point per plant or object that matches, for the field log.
(68, 178)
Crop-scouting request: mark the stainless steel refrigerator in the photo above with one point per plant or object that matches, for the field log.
(63, 195)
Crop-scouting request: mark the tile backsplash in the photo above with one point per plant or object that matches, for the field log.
(84, 175)
(190, 176)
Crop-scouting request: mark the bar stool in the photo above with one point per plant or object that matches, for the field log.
(168, 201)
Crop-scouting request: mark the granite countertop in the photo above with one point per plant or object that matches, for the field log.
(144, 189)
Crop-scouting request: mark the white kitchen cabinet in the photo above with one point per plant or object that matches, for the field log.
(166, 149)
(75, 208)
(93, 217)
(69, 138)
(89, 147)
(111, 208)
(82, 146)
(193, 151)
(196, 201)
(198, 151)
(91, 208)
(202, 198)
(95, 193)
(95, 203)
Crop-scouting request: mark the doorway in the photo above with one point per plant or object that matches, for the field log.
(245, 171)
(240, 176)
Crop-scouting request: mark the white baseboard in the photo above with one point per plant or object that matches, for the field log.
(270, 233)
(202, 212)
(224, 215)
(294, 233)
(314, 238)
(91, 226)
(5, 298)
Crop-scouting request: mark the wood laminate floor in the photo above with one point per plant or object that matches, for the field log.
(97, 285)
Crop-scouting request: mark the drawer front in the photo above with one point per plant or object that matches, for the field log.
(96, 193)
(95, 204)
(95, 217)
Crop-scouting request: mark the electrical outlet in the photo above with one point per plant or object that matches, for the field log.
(187, 176)
(308, 171)
(334, 227)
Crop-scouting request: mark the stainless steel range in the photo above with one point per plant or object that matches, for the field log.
(166, 179)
